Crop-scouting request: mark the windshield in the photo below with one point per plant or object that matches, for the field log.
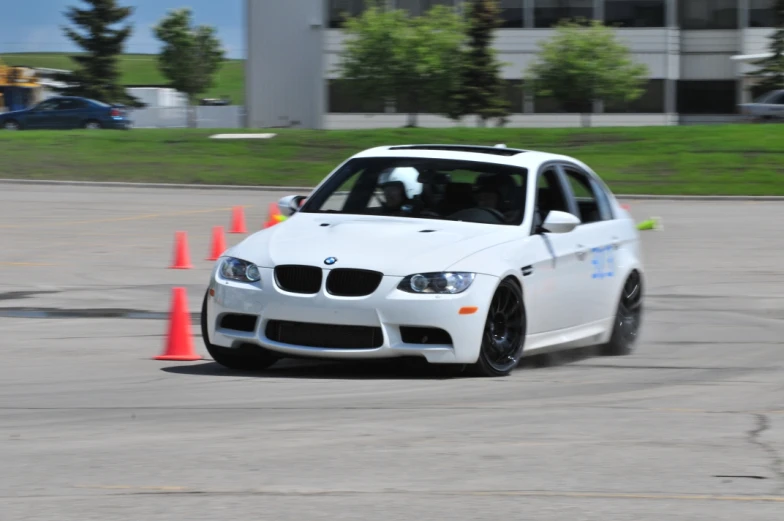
(444, 189)
(768, 96)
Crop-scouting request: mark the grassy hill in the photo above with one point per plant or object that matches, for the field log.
(141, 69)
(709, 159)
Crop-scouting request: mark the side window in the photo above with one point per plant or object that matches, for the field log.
(67, 104)
(49, 105)
(549, 195)
(588, 203)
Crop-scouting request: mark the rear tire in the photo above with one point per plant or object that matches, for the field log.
(628, 318)
(92, 125)
(249, 357)
(504, 334)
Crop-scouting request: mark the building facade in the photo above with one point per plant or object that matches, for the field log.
(696, 51)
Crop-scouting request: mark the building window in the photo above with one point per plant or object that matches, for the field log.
(548, 13)
(344, 99)
(512, 14)
(420, 7)
(708, 14)
(514, 93)
(339, 10)
(651, 101)
(707, 97)
(550, 105)
(761, 13)
(635, 13)
(543, 105)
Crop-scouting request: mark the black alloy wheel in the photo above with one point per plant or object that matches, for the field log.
(628, 319)
(504, 333)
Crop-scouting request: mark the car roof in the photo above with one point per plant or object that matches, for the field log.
(498, 154)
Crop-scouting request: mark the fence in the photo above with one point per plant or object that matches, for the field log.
(229, 116)
(233, 116)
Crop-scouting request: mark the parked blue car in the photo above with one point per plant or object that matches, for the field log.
(67, 112)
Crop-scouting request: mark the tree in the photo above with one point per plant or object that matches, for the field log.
(771, 69)
(190, 56)
(97, 74)
(583, 63)
(393, 57)
(481, 87)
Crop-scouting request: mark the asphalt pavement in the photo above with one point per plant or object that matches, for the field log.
(691, 427)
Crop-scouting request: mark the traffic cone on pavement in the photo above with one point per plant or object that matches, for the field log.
(218, 243)
(179, 340)
(182, 258)
(238, 220)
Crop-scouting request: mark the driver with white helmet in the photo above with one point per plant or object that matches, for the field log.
(400, 186)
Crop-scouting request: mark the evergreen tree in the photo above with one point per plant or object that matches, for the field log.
(771, 69)
(481, 90)
(97, 75)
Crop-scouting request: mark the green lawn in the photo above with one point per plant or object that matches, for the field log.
(142, 69)
(711, 159)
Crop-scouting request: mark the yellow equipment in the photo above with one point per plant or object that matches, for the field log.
(19, 87)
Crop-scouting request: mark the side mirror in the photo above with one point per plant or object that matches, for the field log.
(560, 222)
(290, 204)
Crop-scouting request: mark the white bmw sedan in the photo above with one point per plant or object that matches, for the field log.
(467, 255)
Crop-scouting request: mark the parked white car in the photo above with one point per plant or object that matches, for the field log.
(459, 254)
(767, 108)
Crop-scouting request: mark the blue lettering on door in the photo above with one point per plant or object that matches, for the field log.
(603, 262)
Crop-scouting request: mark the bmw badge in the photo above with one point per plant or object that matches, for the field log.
(330, 261)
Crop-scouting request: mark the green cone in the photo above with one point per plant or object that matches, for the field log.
(650, 224)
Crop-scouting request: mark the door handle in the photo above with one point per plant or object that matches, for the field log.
(582, 251)
(616, 243)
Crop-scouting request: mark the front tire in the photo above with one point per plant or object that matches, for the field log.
(628, 318)
(249, 357)
(504, 334)
(11, 125)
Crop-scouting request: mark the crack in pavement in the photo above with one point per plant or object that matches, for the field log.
(120, 490)
(776, 462)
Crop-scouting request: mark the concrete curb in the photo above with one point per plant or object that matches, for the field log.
(306, 190)
(116, 184)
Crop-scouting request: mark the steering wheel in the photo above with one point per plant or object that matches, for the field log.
(495, 213)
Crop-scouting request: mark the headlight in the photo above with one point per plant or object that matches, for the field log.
(448, 283)
(239, 270)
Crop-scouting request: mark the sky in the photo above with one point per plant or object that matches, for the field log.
(35, 25)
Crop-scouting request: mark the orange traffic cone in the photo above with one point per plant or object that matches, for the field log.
(238, 220)
(218, 243)
(179, 340)
(182, 258)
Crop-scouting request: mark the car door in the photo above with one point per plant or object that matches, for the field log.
(43, 115)
(68, 114)
(551, 279)
(598, 241)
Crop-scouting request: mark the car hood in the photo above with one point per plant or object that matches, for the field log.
(394, 246)
(14, 112)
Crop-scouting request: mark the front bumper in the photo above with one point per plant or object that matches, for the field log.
(395, 317)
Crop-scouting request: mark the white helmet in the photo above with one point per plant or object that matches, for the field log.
(407, 175)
